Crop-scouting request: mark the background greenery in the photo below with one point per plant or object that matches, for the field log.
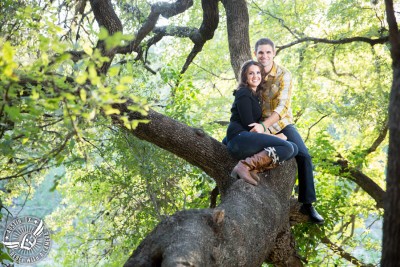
(109, 189)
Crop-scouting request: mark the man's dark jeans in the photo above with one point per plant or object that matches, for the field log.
(304, 165)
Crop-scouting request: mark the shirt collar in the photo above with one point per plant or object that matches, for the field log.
(273, 70)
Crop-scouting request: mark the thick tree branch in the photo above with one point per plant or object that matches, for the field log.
(207, 29)
(164, 9)
(342, 253)
(370, 41)
(106, 17)
(315, 123)
(168, 10)
(191, 144)
(382, 135)
(366, 183)
(197, 36)
(173, 238)
(191, 33)
(332, 61)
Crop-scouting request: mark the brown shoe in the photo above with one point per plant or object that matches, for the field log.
(242, 170)
(263, 160)
(248, 168)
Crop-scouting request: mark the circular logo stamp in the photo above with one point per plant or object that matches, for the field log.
(27, 239)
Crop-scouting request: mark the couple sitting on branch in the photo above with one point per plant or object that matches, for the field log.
(261, 133)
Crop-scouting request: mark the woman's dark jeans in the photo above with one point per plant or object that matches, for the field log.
(247, 144)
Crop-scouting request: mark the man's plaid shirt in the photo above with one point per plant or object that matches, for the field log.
(277, 97)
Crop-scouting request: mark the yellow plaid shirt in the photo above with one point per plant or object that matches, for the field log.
(277, 97)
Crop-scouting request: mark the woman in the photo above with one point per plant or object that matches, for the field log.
(256, 151)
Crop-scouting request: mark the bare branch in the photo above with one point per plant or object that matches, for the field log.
(192, 33)
(298, 114)
(342, 253)
(26, 197)
(196, 49)
(382, 135)
(213, 74)
(332, 61)
(370, 41)
(166, 10)
(366, 183)
(207, 29)
(161, 128)
(309, 128)
(41, 162)
(295, 33)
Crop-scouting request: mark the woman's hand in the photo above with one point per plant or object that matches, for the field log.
(257, 127)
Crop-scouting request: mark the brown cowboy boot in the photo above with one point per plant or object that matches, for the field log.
(248, 168)
(264, 160)
(241, 170)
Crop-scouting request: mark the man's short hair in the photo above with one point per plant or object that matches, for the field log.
(264, 41)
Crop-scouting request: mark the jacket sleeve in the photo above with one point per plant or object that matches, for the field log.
(244, 107)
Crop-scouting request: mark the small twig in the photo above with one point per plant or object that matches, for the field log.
(382, 135)
(309, 128)
(26, 198)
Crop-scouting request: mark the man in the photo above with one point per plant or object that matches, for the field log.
(278, 118)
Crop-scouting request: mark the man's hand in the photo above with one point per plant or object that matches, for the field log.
(257, 128)
(281, 136)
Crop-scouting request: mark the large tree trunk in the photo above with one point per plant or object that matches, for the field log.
(237, 17)
(242, 231)
(391, 223)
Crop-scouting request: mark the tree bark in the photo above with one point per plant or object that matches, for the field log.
(391, 221)
(365, 182)
(250, 226)
(191, 144)
(237, 17)
(107, 18)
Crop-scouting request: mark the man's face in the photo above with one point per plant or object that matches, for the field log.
(265, 55)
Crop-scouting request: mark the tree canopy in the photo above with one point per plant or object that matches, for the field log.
(120, 106)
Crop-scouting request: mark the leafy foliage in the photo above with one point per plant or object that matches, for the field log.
(116, 188)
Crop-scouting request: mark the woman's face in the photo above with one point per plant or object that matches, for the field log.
(253, 77)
